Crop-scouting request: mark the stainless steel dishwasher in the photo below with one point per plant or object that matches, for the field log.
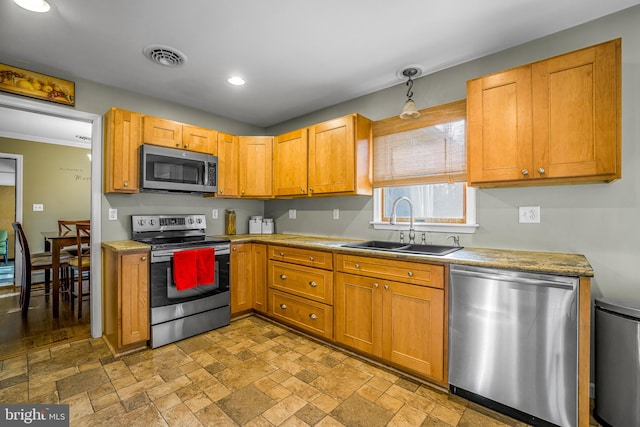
(513, 343)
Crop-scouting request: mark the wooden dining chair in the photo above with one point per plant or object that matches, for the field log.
(32, 262)
(81, 266)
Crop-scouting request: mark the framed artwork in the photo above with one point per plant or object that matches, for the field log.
(35, 85)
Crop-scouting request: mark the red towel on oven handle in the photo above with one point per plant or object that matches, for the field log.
(206, 266)
(184, 269)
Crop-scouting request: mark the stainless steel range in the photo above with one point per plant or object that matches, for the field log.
(178, 314)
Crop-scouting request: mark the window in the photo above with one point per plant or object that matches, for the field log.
(424, 160)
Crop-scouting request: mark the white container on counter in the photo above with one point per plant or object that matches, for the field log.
(267, 226)
(255, 225)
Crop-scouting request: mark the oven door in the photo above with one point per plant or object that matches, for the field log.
(163, 288)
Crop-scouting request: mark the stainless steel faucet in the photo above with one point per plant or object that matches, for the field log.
(456, 239)
(394, 217)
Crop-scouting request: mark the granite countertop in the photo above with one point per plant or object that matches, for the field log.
(125, 246)
(541, 262)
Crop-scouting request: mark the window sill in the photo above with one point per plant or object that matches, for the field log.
(432, 227)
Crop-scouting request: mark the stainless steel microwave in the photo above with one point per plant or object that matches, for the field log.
(174, 170)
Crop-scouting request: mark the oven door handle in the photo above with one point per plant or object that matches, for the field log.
(167, 255)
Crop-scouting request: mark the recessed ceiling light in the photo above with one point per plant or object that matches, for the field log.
(236, 80)
(33, 5)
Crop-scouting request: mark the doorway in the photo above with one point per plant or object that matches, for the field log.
(8, 195)
(51, 112)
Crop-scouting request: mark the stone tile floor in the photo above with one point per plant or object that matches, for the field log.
(253, 373)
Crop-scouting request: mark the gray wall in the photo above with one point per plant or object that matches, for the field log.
(596, 220)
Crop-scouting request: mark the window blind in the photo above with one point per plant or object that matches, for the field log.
(425, 151)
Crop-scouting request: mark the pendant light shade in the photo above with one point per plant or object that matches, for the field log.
(410, 111)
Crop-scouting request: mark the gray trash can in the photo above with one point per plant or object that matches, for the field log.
(617, 360)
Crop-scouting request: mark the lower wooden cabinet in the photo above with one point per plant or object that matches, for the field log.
(402, 323)
(241, 280)
(125, 299)
(259, 264)
(308, 315)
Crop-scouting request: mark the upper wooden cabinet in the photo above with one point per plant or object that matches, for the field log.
(340, 157)
(123, 136)
(172, 134)
(228, 152)
(255, 177)
(290, 153)
(553, 121)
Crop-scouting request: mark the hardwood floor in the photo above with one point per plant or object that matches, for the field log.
(39, 330)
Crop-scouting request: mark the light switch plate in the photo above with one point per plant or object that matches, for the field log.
(292, 214)
(113, 214)
(38, 207)
(214, 213)
(336, 214)
(529, 214)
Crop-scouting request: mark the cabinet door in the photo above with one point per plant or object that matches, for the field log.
(413, 328)
(227, 165)
(199, 139)
(123, 136)
(256, 157)
(163, 132)
(358, 312)
(134, 298)
(241, 278)
(332, 156)
(290, 163)
(575, 112)
(259, 265)
(499, 126)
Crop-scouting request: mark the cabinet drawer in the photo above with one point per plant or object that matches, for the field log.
(401, 271)
(307, 257)
(308, 315)
(306, 282)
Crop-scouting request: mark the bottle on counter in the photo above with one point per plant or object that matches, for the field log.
(230, 221)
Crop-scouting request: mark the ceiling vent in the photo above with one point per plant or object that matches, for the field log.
(164, 55)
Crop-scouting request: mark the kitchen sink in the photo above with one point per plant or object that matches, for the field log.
(376, 244)
(397, 247)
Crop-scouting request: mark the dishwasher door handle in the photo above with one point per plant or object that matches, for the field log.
(570, 283)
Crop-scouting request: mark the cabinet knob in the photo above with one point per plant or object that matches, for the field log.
(313, 316)
(311, 258)
(281, 253)
(313, 284)
(410, 273)
(144, 258)
(242, 192)
(386, 287)
(186, 145)
(283, 276)
(311, 189)
(283, 306)
(126, 184)
(525, 172)
(302, 190)
(234, 249)
(541, 171)
(357, 265)
(221, 191)
(376, 285)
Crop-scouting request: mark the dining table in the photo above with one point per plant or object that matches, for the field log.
(54, 241)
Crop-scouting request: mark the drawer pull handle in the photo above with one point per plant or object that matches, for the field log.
(144, 258)
(313, 316)
(410, 274)
(541, 171)
(357, 266)
(376, 285)
(313, 284)
(310, 258)
(281, 253)
(126, 184)
(525, 172)
(283, 306)
(283, 276)
(386, 287)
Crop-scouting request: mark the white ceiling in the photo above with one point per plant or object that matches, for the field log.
(297, 56)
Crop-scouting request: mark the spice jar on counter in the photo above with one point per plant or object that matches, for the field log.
(230, 221)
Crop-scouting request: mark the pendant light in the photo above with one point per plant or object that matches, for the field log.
(34, 5)
(409, 111)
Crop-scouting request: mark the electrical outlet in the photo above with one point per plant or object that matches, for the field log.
(292, 214)
(529, 214)
(336, 214)
(214, 213)
(38, 207)
(113, 214)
